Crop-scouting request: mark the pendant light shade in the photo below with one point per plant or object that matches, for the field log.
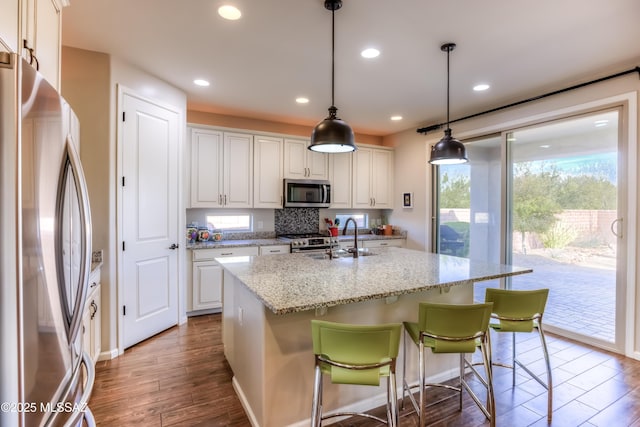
(448, 151)
(332, 135)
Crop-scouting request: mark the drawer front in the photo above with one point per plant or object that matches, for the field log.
(208, 254)
(274, 250)
(94, 278)
(383, 243)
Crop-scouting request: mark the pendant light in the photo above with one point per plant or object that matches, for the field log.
(448, 151)
(332, 135)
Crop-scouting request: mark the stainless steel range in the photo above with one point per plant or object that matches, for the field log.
(310, 242)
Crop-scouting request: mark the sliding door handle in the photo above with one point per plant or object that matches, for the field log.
(616, 228)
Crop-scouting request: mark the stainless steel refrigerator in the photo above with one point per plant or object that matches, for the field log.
(45, 255)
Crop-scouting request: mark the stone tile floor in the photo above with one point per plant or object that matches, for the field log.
(581, 298)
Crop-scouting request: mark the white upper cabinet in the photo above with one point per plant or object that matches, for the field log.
(221, 169)
(238, 170)
(340, 176)
(32, 28)
(373, 178)
(9, 19)
(41, 25)
(268, 172)
(206, 174)
(301, 163)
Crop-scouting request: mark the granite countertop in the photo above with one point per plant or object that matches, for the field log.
(95, 265)
(291, 283)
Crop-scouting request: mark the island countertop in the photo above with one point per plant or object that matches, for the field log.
(291, 283)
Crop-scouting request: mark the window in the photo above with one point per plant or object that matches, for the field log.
(361, 219)
(229, 222)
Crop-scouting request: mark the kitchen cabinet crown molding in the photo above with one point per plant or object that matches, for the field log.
(274, 134)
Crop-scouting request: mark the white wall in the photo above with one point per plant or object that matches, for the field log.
(83, 73)
(412, 175)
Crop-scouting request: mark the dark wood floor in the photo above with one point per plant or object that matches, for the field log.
(180, 378)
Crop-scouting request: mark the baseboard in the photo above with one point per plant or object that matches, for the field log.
(108, 355)
(245, 404)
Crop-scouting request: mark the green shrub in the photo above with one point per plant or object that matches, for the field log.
(558, 236)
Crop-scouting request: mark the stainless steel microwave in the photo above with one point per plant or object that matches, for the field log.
(307, 193)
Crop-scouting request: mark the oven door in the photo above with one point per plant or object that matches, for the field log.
(305, 193)
(310, 250)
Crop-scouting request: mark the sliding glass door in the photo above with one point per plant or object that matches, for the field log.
(564, 221)
(546, 197)
(468, 214)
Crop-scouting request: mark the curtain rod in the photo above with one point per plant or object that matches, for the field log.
(431, 128)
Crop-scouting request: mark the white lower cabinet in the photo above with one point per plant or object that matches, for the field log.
(91, 324)
(207, 285)
(384, 243)
(207, 278)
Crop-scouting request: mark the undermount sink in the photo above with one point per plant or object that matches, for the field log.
(345, 254)
(340, 253)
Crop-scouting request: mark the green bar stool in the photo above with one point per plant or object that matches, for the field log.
(450, 328)
(521, 311)
(355, 354)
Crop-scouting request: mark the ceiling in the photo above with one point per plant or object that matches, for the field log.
(280, 50)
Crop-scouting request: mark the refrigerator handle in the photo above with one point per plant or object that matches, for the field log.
(85, 219)
(86, 394)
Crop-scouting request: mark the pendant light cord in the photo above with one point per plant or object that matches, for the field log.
(448, 53)
(333, 44)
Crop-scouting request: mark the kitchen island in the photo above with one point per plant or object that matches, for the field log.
(268, 303)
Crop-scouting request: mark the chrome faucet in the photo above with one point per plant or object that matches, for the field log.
(353, 250)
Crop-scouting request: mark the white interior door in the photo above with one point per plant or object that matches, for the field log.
(149, 218)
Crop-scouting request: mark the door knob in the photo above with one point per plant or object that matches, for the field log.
(174, 246)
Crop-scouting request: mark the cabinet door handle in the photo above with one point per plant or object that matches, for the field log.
(383, 244)
(225, 199)
(374, 201)
(220, 199)
(95, 309)
(32, 56)
(226, 253)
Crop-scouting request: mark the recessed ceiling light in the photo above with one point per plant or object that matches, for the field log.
(396, 118)
(545, 146)
(601, 123)
(201, 82)
(370, 53)
(480, 87)
(229, 12)
(302, 100)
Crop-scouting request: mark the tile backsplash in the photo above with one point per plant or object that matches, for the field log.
(297, 220)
